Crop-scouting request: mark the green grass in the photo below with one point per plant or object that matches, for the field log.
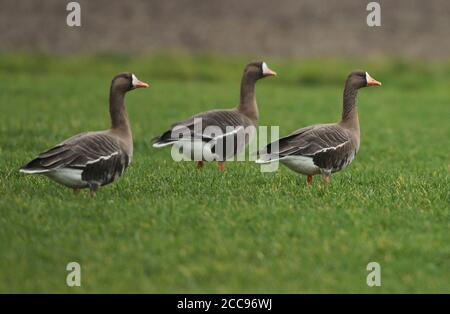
(167, 227)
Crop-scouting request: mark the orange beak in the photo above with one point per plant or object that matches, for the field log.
(270, 73)
(371, 81)
(138, 84)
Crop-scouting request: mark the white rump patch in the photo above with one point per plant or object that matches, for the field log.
(68, 177)
(300, 164)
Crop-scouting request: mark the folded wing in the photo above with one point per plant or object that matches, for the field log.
(98, 155)
(328, 145)
(217, 129)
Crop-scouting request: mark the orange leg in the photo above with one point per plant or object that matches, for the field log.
(200, 164)
(221, 165)
(326, 179)
(309, 180)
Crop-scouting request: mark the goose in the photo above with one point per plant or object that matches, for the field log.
(323, 148)
(93, 159)
(206, 136)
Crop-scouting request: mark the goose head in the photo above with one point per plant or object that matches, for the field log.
(125, 82)
(258, 70)
(359, 79)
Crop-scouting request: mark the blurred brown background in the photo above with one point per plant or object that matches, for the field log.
(299, 28)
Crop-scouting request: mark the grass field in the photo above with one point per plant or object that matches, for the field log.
(167, 227)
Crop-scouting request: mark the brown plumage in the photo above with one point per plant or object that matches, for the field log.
(189, 134)
(93, 159)
(323, 148)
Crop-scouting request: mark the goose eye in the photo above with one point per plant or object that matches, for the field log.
(130, 79)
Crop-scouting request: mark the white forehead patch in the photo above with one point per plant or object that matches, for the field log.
(265, 68)
(134, 80)
(367, 78)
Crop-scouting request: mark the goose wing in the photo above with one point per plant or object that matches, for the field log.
(329, 145)
(226, 122)
(98, 155)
